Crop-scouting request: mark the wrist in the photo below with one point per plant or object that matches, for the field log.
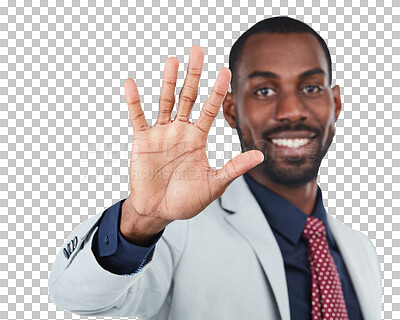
(138, 229)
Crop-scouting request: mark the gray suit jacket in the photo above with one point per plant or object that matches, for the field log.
(223, 264)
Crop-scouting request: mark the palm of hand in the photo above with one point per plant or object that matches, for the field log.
(169, 176)
(169, 164)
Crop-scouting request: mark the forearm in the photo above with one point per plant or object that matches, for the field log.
(80, 285)
(84, 287)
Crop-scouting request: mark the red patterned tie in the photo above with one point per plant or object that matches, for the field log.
(327, 295)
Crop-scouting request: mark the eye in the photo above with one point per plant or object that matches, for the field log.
(312, 89)
(264, 92)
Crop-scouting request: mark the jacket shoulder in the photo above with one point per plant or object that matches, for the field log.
(345, 231)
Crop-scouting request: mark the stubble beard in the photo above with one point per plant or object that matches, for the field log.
(295, 172)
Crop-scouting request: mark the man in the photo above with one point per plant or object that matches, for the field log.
(251, 240)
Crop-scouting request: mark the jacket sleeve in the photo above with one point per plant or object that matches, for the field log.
(79, 284)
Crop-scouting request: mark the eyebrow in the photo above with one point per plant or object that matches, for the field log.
(269, 74)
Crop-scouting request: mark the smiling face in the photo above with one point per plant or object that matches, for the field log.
(284, 106)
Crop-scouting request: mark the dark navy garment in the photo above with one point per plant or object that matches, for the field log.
(112, 251)
(116, 254)
(287, 223)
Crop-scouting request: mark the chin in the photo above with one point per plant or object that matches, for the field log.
(295, 174)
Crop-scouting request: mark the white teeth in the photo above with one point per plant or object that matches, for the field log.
(291, 143)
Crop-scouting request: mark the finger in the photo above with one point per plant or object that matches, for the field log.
(235, 167)
(167, 97)
(136, 114)
(213, 104)
(188, 94)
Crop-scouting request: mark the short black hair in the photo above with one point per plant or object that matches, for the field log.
(282, 25)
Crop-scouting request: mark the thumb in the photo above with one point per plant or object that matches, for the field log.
(237, 166)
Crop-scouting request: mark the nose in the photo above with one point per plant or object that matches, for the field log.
(291, 107)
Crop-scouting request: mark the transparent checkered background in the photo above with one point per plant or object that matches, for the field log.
(65, 130)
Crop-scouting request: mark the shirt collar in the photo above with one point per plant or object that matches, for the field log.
(283, 216)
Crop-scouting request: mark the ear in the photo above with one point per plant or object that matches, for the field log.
(337, 101)
(229, 109)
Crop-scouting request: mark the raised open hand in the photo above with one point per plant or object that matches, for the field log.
(169, 176)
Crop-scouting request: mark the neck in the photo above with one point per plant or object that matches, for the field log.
(303, 197)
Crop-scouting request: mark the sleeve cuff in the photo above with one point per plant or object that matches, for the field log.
(113, 251)
(107, 235)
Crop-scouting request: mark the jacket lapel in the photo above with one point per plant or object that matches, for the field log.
(359, 268)
(248, 219)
